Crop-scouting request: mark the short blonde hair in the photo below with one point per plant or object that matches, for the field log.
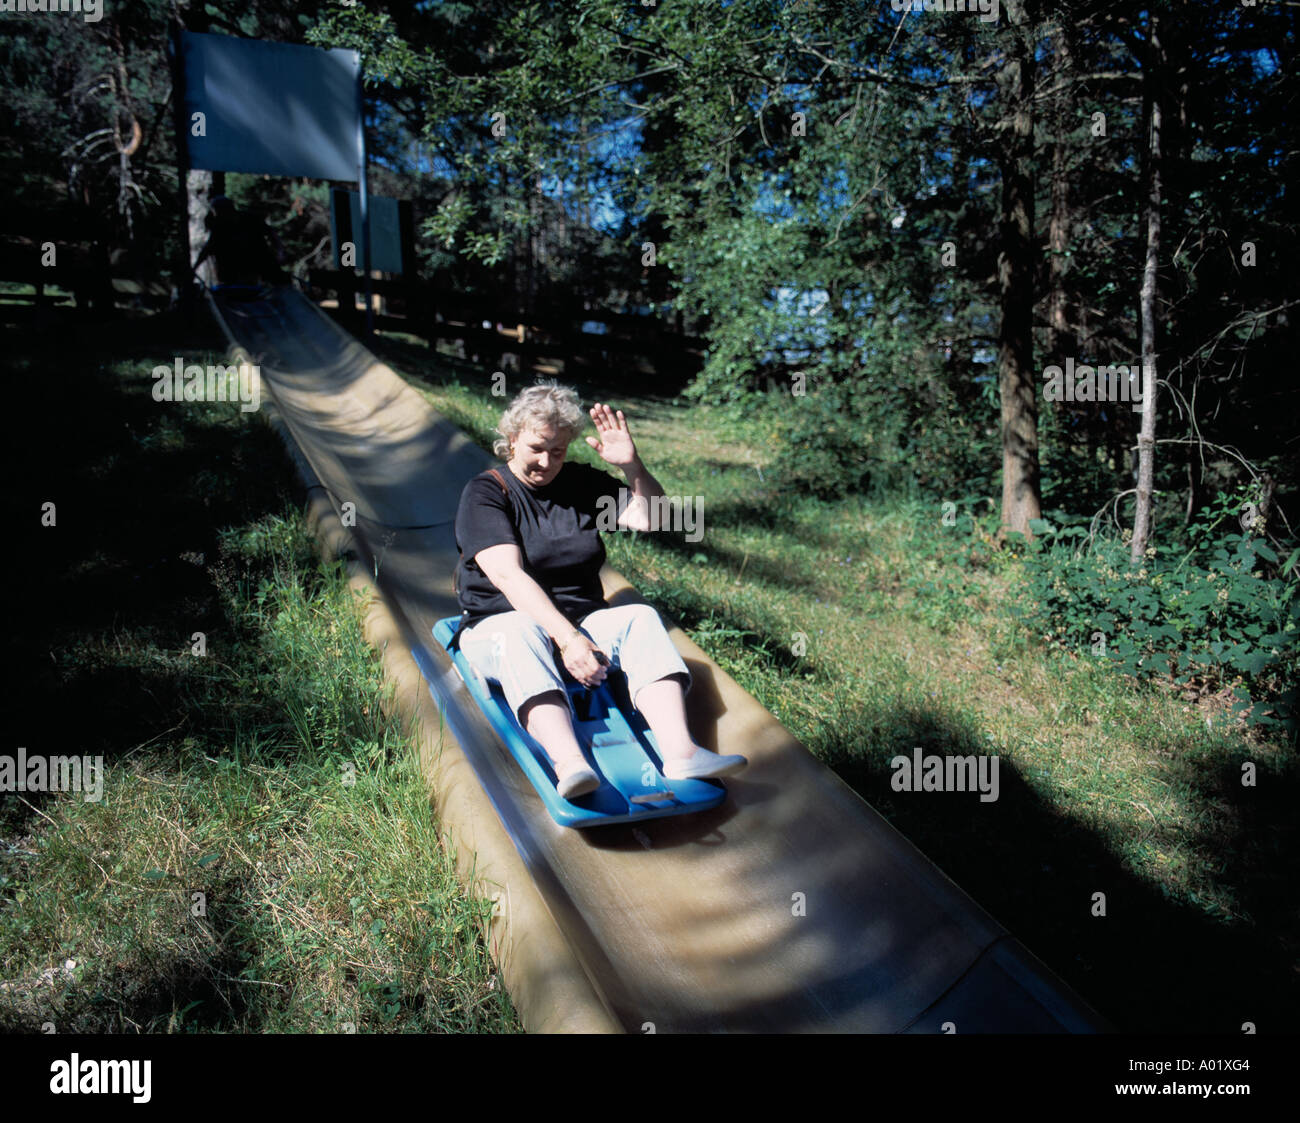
(537, 407)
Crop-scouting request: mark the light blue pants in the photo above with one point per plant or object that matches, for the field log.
(514, 650)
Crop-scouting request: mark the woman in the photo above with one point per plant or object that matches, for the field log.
(530, 591)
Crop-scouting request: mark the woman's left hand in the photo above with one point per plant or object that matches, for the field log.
(615, 445)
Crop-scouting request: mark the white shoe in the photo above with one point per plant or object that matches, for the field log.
(702, 764)
(580, 781)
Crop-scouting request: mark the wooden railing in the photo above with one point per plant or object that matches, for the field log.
(81, 271)
(630, 342)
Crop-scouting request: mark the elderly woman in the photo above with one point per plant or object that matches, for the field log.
(530, 591)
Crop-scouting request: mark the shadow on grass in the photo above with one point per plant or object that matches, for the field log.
(752, 568)
(117, 586)
(141, 491)
(178, 994)
(153, 987)
(1152, 964)
(706, 621)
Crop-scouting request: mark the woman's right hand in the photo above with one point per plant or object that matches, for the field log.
(584, 660)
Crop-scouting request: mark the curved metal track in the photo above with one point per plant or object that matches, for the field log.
(792, 907)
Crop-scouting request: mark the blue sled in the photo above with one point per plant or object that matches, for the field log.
(614, 739)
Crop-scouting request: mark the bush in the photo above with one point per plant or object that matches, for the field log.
(1226, 614)
(854, 437)
(822, 448)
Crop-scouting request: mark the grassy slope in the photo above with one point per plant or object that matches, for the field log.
(262, 775)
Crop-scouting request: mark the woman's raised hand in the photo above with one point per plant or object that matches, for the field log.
(615, 445)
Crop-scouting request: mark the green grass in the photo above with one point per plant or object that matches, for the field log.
(265, 856)
(1107, 786)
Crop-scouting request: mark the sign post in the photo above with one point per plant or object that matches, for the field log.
(269, 108)
(363, 181)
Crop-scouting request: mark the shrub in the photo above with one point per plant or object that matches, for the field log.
(1226, 614)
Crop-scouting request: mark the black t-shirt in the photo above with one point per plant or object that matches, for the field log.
(553, 526)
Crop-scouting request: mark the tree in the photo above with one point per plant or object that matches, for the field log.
(1021, 502)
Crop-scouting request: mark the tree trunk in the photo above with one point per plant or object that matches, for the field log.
(1021, 500)
(1058, 225)
(1151, 78)
(1062, 340)
(199, 188)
